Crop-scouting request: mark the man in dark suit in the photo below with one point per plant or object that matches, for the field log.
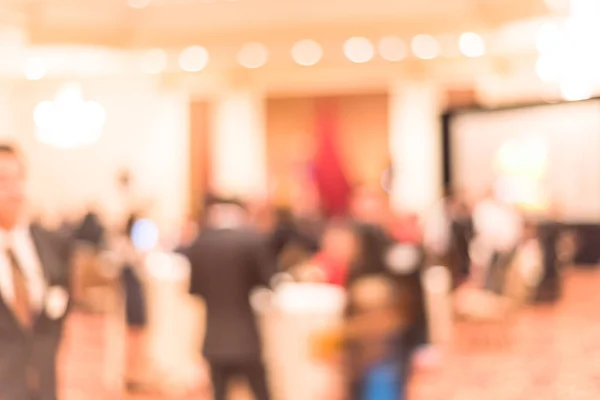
(33, 292)
(228, 261)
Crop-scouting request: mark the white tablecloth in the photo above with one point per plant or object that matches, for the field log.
(289, 318)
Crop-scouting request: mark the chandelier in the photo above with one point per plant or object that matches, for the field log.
(68, 121)
(567, 52)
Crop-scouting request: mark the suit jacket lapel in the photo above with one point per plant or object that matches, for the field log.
(46, 254)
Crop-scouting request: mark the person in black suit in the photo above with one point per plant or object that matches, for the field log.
(34, 293)
(227, 262)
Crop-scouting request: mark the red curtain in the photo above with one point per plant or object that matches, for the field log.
(330, 179)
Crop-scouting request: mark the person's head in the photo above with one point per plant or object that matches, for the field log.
(223, 213)
(368, 205)
(339, 240)
(12, 186)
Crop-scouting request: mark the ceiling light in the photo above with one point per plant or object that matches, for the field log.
(471, 45)
(138, 4)
(68, 120)
(193, 59)
(154, 61)
(253, 55)
(35, 69)
(307, 52)
(425, 47)
(392, 48)
(359, 50)
(575, 89)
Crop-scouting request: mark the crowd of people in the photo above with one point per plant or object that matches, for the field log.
(377, 256)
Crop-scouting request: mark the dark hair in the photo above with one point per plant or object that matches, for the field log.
(6, 148)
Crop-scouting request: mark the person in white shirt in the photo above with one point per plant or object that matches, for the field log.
(34, 292)
(498, 230)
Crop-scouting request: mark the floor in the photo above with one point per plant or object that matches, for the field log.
(553, 354)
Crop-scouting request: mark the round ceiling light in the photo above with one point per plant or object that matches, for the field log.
(471, 45)
(154, 61)
(35, 69)
(253, 55)
(193, 59)
(392, 48)
(425, 47)
(307, 52)
(359, 50)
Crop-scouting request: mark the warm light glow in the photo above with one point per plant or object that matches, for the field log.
(575, 89)
(35, 69)
(193, 59)
(549, 68)
(307, 52)
(550, 38)
(392, 48)
(138, 4)
(155, 61)
(359, 50)
(425, 47)
(69, 121)
(253, 55)
(471, 44)
(523, 156)
(521, 164)
(557, 5)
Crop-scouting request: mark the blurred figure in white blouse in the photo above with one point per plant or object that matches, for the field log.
(498, 230)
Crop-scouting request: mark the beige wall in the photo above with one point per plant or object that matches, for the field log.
(146, 131)
(362, 137)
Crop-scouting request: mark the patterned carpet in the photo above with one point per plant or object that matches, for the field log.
(552, 353)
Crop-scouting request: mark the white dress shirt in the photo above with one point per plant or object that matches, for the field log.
(497, 225)
(23, 247)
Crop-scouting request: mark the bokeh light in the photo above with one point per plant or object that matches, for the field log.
(425, 47)
(471, 45)
(193, 59)
(253, 55)
(307, 52)
(359, 50)
(392, 48)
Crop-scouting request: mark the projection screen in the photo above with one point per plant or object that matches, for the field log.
(557, 144)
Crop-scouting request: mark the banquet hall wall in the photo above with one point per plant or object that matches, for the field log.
(149, 130)
(360, 123)
(146, 132)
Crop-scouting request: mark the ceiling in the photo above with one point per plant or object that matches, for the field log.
(177, 23)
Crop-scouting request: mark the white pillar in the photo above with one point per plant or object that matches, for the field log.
(238, 145)
(415, 146)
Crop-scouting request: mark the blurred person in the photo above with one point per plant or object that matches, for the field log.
(373, 340)
(369, 211)
(228, 261)
(447, 232)
(91, 231)
(498, 228)
(407, 229)
(34, 292)
(132, 277)
(339, 248)
(298, 228)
